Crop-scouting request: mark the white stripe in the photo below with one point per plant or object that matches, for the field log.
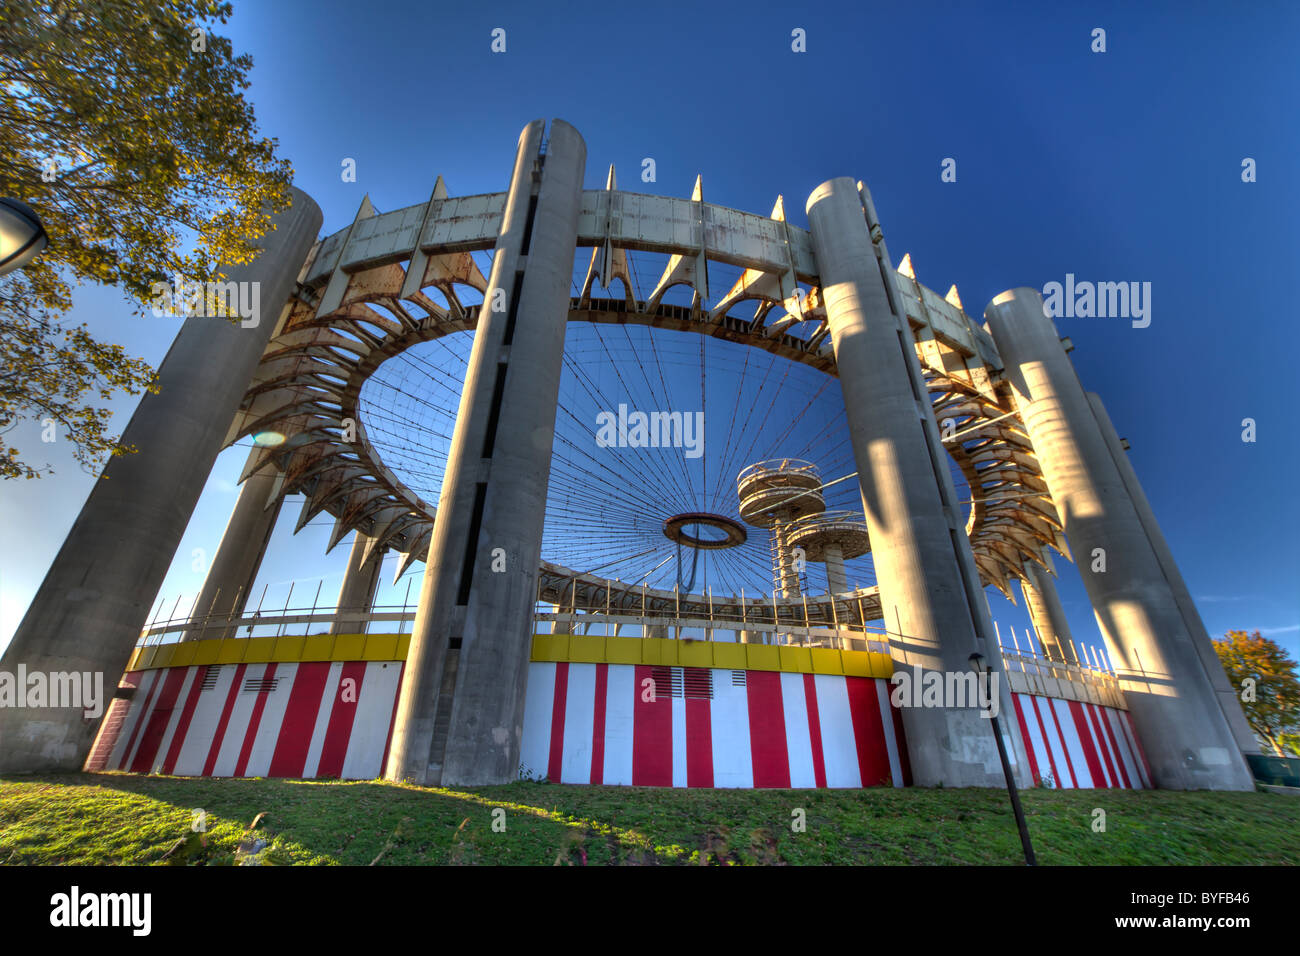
(1037, 746)
(1103, 747)
(733, 764)
(679, 741)
(1130, 744)
(579, 723)
(370, 724)
(883, 689)
(539, 701)
(240, 715)
(268, 728)
(1043, 708)
(324, 709)
(620, 700)
(1121, 744)
(839, 751)
(1078, 758)
(798, 738)
(118, 759)
(203, 723)
(178, 709)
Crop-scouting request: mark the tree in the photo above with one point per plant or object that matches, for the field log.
(123, 124)
(1260, 669)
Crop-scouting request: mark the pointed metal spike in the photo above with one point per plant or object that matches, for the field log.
(440, 189)
(778, 211)
(953, 299)
(697, 194)
(610, 183)
(905, 267)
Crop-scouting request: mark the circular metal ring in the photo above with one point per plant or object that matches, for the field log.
(674, 530)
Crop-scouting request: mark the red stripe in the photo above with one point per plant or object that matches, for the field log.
(250, 735)
(154, 684)
(699, 736)
(1103, 743)
(159, 718)
(1104, 713)
(868, 731)
(555, 763)
(1089, 749)
(226, 710)
(598, 724)
(187, 714)
(1149, 780)
(342, 714)
(900, 741)
(814, 729)
(1056, 723)
(652, 734)
(304, 705)
(771, 756)
(1047, 744)
(1029, 743)
(392, 719)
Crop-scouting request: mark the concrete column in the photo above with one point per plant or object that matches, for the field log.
(460, 714)
(786, 577)
(96, 597)
(837, 582)
(1223, 689)
(1178, 718)
(360, 582)
(234, 567)
(1046, 614)
(931, 598)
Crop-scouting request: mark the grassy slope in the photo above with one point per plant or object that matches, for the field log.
(117, 818)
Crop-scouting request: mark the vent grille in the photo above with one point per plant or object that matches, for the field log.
(737, 678)
(260, 685)
(693, 683)
(697, 683)
(210, 678)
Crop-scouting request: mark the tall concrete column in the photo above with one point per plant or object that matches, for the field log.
(933, 604)
(360, 582)
(1046, 613)
(460, 714)
(1174, 708)
(837, 582)
(1223, 689)
(234, 567)
(786, 577)
(96, 596)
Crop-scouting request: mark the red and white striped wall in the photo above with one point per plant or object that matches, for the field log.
(317, 719)
(708, 727)
(1075, 744)
(584, 723)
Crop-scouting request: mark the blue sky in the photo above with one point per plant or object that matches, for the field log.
(1115, 166)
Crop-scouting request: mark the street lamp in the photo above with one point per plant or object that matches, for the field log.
(22, 237)
(986, 670)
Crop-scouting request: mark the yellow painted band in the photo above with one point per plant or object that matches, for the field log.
(574, 648)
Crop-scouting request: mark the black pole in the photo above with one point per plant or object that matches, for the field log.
(1030, 860)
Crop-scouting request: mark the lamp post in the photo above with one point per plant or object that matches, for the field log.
(22, 236)
(986, 671)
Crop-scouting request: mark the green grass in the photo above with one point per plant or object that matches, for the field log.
(119, 818)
